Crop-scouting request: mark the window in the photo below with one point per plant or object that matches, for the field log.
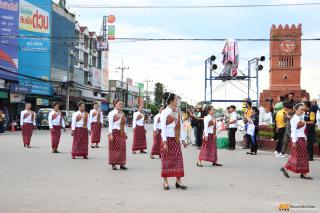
(285, 62)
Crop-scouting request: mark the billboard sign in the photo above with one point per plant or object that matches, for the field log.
(9, 43)
(96, 77)
(111, 19)
(102, 45)
(35, 48)
(16, 98)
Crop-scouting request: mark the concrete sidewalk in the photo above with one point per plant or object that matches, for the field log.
(35, 180)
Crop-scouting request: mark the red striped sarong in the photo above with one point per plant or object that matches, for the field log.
(171, 160)
(208, 150)
(27, 130)
(156, 147)
(95, 132)
(299, 161)
(139, 139)
(55, 136)
(80, 142)
(117, 148)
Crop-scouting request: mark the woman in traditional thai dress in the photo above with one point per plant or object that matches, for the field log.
(117, 136)
(208, 150)
(172, 135)
(80, 131)
(298, 161)
(156, 147)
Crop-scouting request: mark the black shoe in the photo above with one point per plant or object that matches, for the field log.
(178, 186)
(97, 146)
(93, 147)
(305, 177)
(216, 164)
(285, 173)
(143, 152)
(199, 165)
(249, 153)
(151, 156)
(114, 168)
(123, 168)
(245, 147)
(166, 188)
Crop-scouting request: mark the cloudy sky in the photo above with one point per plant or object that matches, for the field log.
(180, 64)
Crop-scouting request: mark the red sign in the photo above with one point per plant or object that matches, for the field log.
(111, 19)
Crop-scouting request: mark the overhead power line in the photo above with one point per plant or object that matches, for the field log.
(61, 38)
(93, 6)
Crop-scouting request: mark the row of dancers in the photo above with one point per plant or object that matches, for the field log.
(169, 136)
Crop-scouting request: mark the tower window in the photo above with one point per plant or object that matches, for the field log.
(285, 62)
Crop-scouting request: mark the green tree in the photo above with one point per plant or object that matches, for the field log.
(153, 108)
(158, 93)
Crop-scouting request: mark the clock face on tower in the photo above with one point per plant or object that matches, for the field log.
(287, 46)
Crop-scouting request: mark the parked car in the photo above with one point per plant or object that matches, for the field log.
(67, 118)
(42, 118)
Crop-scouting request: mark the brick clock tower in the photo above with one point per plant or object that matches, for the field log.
(285, 64)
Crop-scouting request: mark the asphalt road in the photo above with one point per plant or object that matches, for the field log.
(35, 180)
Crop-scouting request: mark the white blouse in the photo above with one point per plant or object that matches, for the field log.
(117, 124)
(233, 117)
(78, 124)
(207, 130)
(93, 118)
(295, 132)
(168, 130)
(29, 118)
(136, 122)
(56, 121)
(156, 123)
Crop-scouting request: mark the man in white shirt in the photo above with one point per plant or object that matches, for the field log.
(96, 122)
(233, 126)
(139, 132)
(27, 123)
(56, 122)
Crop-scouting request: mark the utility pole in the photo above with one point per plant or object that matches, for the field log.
(122, 68)
(69, 79)
(147, 81)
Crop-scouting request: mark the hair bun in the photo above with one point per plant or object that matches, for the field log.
(165, 95)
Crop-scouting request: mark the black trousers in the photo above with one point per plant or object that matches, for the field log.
(281, 132)
(311, 138)
(253, 141)
(199, 135)
(248, 141)
(232, 137)
(1, 127)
